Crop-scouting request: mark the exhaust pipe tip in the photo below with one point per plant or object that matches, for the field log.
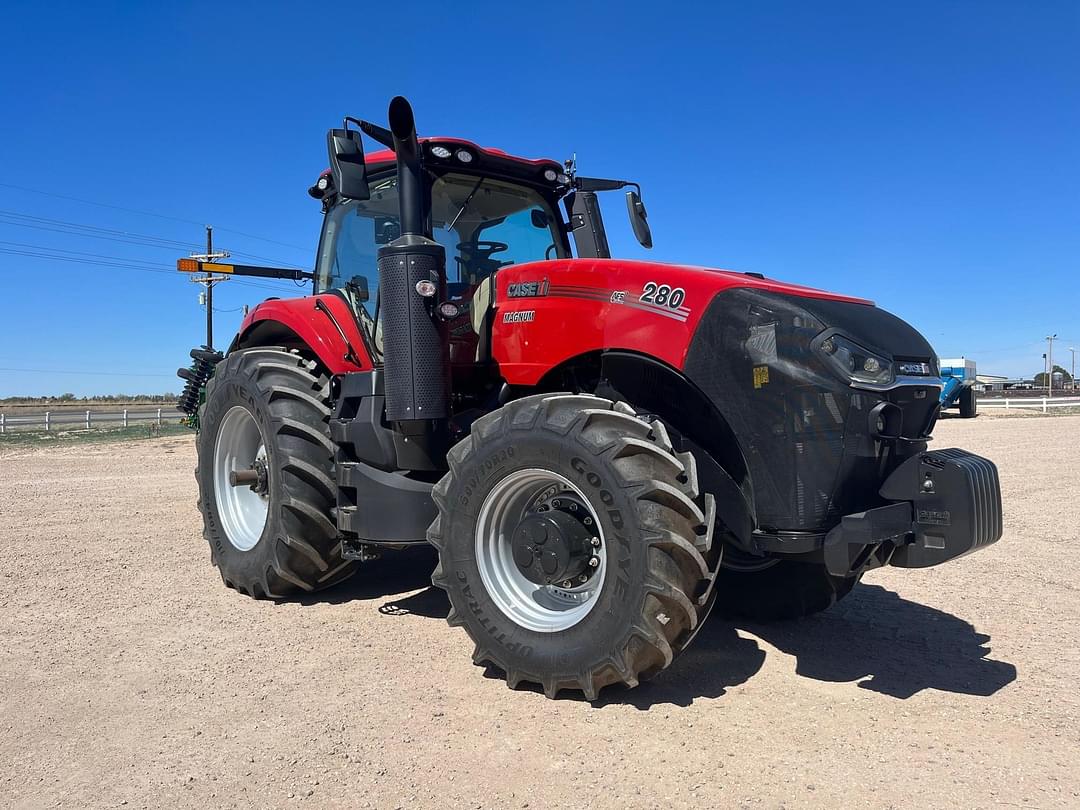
(407, 150)
(400, 116)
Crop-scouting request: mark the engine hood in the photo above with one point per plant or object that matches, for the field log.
(715, 279)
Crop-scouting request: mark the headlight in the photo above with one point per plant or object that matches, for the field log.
(854, 363)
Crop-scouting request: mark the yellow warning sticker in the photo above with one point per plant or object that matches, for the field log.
(761, 376)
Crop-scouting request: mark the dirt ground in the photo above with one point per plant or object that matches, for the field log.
(130, 676)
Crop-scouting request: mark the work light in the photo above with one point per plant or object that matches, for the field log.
(859, 366)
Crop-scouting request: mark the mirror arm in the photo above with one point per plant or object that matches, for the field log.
(373, 131)
(597, 184)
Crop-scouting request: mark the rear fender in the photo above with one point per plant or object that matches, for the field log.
(322, 324)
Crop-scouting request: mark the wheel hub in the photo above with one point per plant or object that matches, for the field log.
(540, 550)
(552, 547)
(241, 478)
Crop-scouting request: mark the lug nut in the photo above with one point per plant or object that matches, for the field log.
(567, 583)
(595, 542)
(587, 521)
(556, 503)
(583, 579)
(593, 562)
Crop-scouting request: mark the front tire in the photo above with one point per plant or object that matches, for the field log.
(266, 409)
(619, 619)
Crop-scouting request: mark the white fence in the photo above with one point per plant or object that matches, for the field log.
(1042, 403)
(71, 419)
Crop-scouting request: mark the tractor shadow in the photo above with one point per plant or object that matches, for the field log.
(399, 572)
(890, 645)
(874, 638)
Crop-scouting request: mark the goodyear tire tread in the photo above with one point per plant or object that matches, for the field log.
(680, 561)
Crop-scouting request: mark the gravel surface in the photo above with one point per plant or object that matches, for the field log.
(130, 676)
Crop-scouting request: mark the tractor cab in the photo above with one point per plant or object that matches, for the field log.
(484, 218)
(487, 210)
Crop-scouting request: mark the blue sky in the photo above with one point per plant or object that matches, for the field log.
(924, 155)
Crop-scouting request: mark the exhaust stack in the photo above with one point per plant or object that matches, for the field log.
(414, 345)
(407, 150)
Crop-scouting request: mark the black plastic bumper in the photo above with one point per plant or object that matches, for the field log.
(946, 503)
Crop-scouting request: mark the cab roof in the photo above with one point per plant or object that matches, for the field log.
(387, 155)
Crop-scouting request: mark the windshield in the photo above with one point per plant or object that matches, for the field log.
(484, 223)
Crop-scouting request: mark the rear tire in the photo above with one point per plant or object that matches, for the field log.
(655, 561)
(784, 590)
(282, 540)
(968, 403)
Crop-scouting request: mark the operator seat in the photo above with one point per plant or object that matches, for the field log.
(480, 312)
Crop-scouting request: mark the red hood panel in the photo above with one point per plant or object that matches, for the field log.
(717, 280)
(549, 312)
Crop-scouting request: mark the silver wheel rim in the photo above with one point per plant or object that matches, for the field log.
(541, 608)
(241, 509)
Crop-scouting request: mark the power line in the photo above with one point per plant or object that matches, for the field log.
(20, 220)
(114, 231)
(87, 373)
(148, 214)
(101, 260)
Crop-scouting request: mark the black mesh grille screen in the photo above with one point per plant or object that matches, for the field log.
(415, 374)
(805, 434)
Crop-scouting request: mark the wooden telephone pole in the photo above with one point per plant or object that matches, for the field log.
(208, 281)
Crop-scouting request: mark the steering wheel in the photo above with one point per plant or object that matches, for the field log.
(475, 259)
(550, 252)
(481, 250)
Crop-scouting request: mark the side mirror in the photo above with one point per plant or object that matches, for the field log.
(639, 218)
(359, 287)
(347, 163)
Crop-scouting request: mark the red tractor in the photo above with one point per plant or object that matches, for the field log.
(601, 451)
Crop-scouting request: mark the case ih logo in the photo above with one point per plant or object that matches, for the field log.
(525, 316)
(528, 289)
(935, 517)
(916, 369)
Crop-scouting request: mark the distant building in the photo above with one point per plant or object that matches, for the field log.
(991, 382)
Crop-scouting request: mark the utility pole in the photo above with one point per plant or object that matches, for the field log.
(1073, 372)
(1050, 365)
(209, 280)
